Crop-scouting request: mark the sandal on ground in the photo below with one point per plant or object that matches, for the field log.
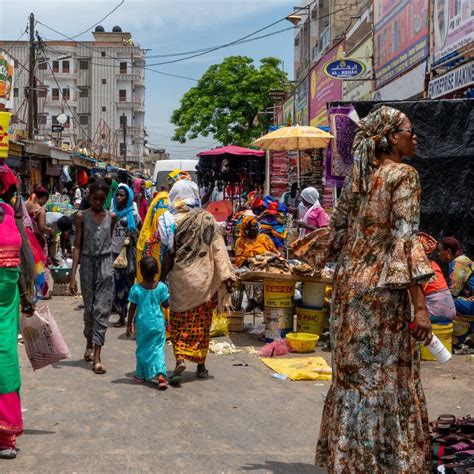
(119, 324)
(444, 424)
(99, 369)
(162, 383)
(174, 379)
(8, 453)
(179, 369)
(88, 355)
(202, 373)
(466, 425)
(137, 380)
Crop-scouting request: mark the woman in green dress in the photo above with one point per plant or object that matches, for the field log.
(13, 291)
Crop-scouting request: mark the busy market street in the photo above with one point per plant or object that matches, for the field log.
(237, 236)
(241, 419)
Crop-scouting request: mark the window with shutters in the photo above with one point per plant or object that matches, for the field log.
(55, 66)
(55, 94)
(122, 95)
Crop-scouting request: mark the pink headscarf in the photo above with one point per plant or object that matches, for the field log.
(137, 186)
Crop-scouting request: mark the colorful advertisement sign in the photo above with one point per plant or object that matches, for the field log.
(6, 80)
(361, 89)
(400, 39)
(288, 111)
(301, 105)
(323, 89)
(5, 118)
(453, 24)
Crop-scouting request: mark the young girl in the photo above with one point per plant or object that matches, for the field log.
(146, 300)
(93, 249)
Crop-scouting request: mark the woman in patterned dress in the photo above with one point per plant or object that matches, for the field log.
(375, 418)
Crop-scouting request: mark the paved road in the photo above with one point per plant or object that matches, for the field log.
(241, 419)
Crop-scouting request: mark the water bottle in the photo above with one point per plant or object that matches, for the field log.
(436, 347)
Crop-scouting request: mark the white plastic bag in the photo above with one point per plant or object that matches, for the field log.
(44, 343)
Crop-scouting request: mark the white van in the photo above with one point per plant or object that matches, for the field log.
(164, 167)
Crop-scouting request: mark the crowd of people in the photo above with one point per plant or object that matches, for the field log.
(145, 257)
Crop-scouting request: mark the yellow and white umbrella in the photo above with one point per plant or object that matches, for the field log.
(294, 138)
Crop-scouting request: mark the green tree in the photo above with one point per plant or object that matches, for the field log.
(227, 100)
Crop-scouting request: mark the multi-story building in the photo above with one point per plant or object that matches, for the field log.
(99, 85)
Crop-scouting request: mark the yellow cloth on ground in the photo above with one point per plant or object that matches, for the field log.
(300, 368)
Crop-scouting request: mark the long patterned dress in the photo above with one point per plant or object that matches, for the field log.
(375, 418)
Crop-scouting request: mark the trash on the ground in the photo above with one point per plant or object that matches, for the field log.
(240, 365)
(222, 348)
(280, 376)
(249, 349)
(319, 385)
(276, 348)
(300, 368)
(471, 358)
(61, 390)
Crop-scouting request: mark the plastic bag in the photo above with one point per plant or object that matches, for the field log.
(219, 325)
(276, 348)
(44, 343)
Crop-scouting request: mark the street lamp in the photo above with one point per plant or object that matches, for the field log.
(294, 18)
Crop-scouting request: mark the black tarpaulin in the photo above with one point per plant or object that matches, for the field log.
(445, 163)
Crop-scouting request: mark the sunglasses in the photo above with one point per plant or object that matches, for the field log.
(411, 130)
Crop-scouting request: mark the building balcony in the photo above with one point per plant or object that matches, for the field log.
(135, 104)
(127, 76)
(133, 131)
(60, 74)
(59, 101)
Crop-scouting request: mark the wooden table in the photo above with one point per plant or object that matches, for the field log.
(260, 276)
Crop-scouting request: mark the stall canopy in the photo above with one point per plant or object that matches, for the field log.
(232, 150)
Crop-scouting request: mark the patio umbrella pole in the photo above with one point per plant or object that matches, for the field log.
(298, 169)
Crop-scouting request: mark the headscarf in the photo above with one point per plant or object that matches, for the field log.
(111, 194)
(137, 185)
(82, 178)
(373, 134)
(7, 178)
(178, 175)
(310, 195)
(246, 222)
(184, 195)
(128, 210)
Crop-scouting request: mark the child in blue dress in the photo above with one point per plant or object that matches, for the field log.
(146, 300)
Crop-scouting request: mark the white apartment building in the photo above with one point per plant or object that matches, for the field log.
(99, 85)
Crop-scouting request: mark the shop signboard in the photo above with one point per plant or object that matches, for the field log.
(323, 88)
(360, 89)
(346, 68)
(453, 80)
(400, 37)
(288, 111)
(7, 68)
(301, 105)
(453, 24)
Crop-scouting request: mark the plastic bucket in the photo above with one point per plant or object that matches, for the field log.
(313, 294)
(445, 335)
(278, 318)
(311, 319)
(278, 294)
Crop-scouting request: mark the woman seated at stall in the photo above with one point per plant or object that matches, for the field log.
(439, 302)
(461, 285)
(315, 216)
(251, 242)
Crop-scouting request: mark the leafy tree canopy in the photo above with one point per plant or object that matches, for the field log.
(226, 102)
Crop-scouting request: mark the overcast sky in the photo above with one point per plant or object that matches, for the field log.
(166, 27)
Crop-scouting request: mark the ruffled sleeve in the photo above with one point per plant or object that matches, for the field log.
(406, 262)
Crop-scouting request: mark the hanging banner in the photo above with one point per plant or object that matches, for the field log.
(288, 109)
(453, 23)
(362, 89)
(7, 68)
(400, 39)
(324, 89)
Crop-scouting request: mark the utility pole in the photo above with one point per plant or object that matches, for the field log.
(124, 129)
(31, 81)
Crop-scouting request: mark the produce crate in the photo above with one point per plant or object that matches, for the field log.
(236, 321)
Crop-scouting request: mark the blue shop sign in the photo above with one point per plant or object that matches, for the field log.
(344, 68)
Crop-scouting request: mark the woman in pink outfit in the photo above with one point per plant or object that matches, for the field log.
(315, 216)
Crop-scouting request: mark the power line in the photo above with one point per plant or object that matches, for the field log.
(100, 21)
